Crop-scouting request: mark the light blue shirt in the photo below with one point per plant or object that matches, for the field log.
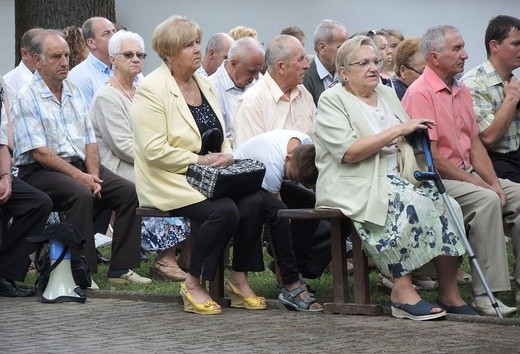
(327, 79)
(40, 120)
(89, 75)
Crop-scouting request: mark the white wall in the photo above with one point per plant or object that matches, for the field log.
(412, 17)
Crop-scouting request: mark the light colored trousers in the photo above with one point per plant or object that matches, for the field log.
(483, 214)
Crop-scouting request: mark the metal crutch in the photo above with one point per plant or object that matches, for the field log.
(420, 140)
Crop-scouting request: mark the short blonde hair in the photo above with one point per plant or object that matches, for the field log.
(173, 34)
(349, 49)
(242, 31)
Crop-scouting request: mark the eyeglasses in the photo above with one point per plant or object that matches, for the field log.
(409, 67)
(130, 55)
(363, 64)
(371, 33)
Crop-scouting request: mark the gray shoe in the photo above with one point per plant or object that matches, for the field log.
(484, 307)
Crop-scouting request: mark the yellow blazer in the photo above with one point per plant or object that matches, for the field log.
(359, 189)
(167, 140)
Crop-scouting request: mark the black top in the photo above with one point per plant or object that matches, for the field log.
(205, 118)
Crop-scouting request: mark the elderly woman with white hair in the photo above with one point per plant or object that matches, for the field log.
(358, 126)
(110, 115)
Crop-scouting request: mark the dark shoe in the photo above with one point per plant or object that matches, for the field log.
(458, 310)
(101, 259)
(421, 311)
(10, 289)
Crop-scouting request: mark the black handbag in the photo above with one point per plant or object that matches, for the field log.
(241, 178)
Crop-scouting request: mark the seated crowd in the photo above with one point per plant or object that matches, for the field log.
(84, 133)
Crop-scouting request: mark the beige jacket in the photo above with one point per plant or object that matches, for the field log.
(360, 189)
(167, 140)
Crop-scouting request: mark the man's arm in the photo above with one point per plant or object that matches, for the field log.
(92, 163)
(5, 173)
(503, 116)
(48, 159)
(485, 178)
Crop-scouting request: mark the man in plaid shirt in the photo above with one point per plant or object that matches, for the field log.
(496, 95)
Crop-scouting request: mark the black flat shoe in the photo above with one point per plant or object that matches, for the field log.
(101, 259)
(10, 289)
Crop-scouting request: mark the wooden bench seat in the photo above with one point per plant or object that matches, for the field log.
(341, 226)
(216, 286)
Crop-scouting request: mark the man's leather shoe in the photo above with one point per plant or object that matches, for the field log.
(10, 289)
(101, 259)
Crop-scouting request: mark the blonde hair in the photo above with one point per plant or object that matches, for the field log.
(173, 34)
(348, 49)
(242, 31)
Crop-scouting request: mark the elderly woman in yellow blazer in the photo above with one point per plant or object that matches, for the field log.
(403, 227)
(172, 109)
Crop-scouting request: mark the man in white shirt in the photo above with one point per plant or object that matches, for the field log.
(216, 52)
(23, 73)
(236, 74)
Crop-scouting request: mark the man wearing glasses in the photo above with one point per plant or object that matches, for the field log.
(56, 152)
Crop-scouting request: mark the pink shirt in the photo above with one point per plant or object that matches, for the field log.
(452, 109)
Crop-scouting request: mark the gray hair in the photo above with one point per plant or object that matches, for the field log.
(37, 42)
(28, 37)
(433, 39)
(114, 45)
(243, 48)
(278, 49)
(324, 32)
(216, 42)
(348, 50)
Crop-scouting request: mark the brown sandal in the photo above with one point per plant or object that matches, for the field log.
(165, 271)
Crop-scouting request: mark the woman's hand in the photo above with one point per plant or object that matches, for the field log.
(415, 124)
(219, 159)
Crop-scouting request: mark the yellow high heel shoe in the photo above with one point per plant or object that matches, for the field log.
(238, 300)
(207, 308)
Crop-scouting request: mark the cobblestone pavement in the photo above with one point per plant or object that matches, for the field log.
(130, 326)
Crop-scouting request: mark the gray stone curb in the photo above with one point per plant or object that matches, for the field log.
(273, 304)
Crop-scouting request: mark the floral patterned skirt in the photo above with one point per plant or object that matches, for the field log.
(159, 234)
(418, 228)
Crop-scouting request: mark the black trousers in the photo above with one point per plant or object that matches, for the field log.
(29, 208)
(507, 166)
(281, 237)
(302, 231)
(81, 207)
(220, 220)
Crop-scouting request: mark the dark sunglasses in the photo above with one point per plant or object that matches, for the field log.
(130, 55)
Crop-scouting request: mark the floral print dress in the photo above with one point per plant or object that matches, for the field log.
(418, 228)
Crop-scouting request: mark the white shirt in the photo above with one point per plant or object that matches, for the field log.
(16, 78)
(270, 148)
(228, 95)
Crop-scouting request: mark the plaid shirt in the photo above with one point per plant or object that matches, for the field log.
(40, 120)
(487, 91)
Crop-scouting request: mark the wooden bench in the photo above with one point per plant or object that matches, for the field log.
(216, 286)
(341, 226)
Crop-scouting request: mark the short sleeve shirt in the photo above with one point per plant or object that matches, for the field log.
(40, 120)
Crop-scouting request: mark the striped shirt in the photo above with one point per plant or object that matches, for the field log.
(40, 120)
(487, 92)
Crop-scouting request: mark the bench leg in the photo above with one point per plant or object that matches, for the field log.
(339, 261)
(361, 283)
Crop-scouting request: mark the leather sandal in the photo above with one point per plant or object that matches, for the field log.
(421, 311)
(165, 271)
(292, 300)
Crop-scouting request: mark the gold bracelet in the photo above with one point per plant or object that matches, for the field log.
(209, 160)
